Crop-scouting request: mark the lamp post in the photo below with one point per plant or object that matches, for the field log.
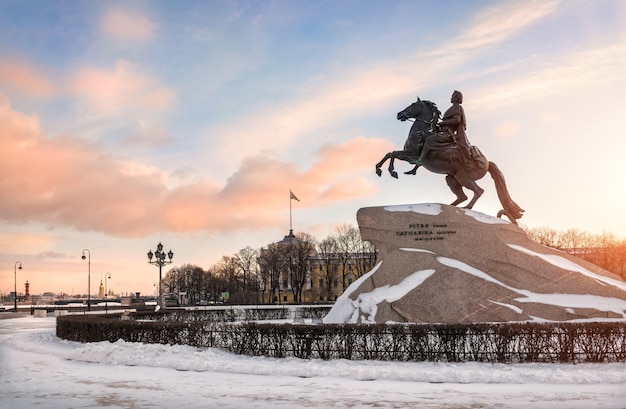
(88, 277)
(106, 294)
(107, 275)
(15, 268)
(160, 261)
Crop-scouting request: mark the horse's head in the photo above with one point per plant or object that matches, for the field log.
(425, 113)
(412, 111)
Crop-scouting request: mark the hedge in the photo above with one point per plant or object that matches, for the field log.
(507, 342)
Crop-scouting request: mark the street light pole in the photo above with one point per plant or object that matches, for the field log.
(15, 268)
(160, 261)
(106, 294)
(107, 275)
(88, 277)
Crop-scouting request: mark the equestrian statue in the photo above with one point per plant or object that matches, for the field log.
(441, 146)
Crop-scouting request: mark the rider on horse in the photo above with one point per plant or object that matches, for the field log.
(454, 124)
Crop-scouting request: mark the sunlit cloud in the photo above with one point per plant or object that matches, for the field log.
(121, 89)
(123, 97)
(499, 23)
(66, 181)
(557, 74)
(17, 243)
(251, 197)
(24, 78)
(52, 255)
(149, 133)
(507, 130)
(127, 26)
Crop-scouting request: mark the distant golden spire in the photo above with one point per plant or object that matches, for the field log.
(101, 288)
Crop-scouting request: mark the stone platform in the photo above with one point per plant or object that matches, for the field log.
(443, 264)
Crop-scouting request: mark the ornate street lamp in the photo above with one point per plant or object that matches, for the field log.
(15, 268)
(88, 277)
(160, 261)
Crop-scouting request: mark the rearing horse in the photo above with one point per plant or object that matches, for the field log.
(444, 157)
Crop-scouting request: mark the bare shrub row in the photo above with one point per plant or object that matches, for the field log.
(523, 342)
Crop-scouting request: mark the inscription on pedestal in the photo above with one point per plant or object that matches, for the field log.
(427, 231)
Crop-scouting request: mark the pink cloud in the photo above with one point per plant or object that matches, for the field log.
(122, 88)
(506, 130)
(124, 26)
(336, 166)
(65, 181)
(255, 194)
(25, 78)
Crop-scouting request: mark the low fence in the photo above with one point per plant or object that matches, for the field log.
(510, 342)
(239, 313)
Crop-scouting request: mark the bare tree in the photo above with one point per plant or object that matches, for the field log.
(346, 246)
(271, 263)
(228, 270)
(188, 279)
(574, 241)
(247, 259)
(327, 255)
(543, 235)
(604, 250)
(366, 258)
(213, 284)
(298, 256)
(356, 256)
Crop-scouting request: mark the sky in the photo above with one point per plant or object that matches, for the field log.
(126, 124)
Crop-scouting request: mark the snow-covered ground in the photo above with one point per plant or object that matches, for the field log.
(39, 370)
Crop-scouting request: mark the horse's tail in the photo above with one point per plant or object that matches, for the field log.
(511, 209)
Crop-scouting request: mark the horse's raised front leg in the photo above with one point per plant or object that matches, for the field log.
(391, 168)
(391, 156)
(381, 163)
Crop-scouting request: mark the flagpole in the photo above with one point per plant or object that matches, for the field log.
(290, 225)
(291, 197)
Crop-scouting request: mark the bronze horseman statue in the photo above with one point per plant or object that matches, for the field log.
(442, 147)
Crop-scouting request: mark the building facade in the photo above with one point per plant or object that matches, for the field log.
(293, 271)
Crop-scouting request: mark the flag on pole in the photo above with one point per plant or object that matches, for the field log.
(292, 196)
